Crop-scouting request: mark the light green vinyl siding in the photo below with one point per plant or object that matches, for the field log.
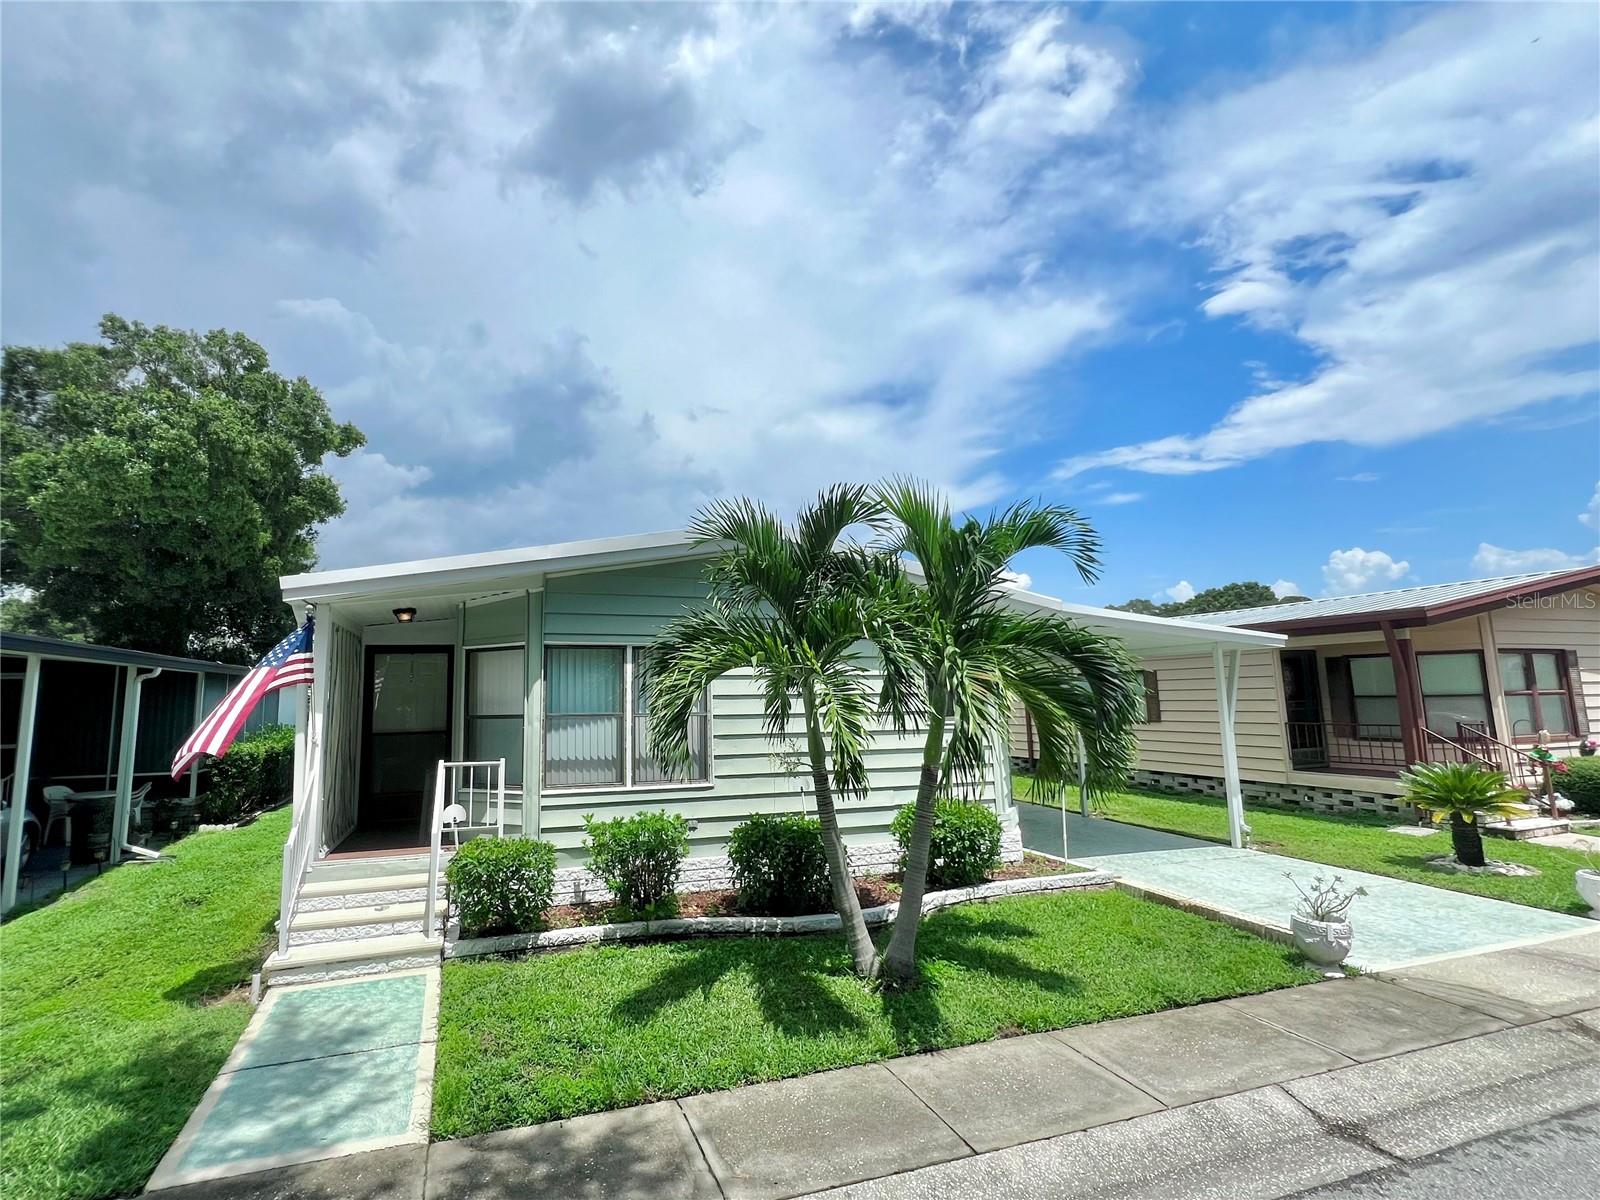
(631, 607)
(496, 622)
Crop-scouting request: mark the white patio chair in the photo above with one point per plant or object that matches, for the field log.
(136, 805)
(58, 796)
(453, 818)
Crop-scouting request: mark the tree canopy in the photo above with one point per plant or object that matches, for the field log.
(1244, 594)
(155, 484)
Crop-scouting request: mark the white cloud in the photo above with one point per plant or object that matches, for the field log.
(1284, 587)
(1017, 579)
(1361, 477)
(1497, 560)
(1180, 592)
(1120, 498)
(577, 268)
(1356, 569)
(1435, 251)
(1591, 515)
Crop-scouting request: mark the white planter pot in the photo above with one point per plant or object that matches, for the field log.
(1326, 943)
(1588, 882)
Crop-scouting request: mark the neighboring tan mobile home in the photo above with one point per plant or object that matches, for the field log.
(1478, 671)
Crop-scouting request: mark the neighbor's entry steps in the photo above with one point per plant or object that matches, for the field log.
(357, 917)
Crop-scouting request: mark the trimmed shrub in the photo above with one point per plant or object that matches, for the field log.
(1581, 784)
(501, 885)
(965, 845)
(639, 858)
(780, 866)
(257, 773)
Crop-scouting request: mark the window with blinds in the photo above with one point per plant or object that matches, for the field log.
(597, 722)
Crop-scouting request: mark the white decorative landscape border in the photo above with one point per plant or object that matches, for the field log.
(584, 935)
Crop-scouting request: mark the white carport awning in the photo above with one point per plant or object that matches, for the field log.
(1150, 637)
(1163, 637)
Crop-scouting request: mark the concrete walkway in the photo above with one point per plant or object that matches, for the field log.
(1398, 922)
(322, 1070)
(1264, 1095)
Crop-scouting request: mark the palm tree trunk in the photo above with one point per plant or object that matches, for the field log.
(863, 954)
(900, 960)
(1466, 841)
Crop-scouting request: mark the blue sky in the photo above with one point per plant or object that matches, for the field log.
(1307, 293)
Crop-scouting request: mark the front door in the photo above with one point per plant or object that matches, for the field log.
(1302, 704)
(406, 731)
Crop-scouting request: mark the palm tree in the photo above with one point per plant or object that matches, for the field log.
(973, 656)
(790, 604)
(1461, 791)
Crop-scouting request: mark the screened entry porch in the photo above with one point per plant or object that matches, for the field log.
(394, 701)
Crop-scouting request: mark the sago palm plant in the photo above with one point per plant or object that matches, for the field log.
(1462, 792)
(966, 656)
(790, 604)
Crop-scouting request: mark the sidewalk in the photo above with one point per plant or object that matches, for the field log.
(1272, 1093)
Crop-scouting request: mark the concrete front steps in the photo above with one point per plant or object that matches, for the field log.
(360, 916)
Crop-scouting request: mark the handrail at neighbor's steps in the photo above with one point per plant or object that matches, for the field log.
(1519, 767)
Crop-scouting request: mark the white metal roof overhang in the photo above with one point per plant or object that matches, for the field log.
(438, 582)
(1149, 637)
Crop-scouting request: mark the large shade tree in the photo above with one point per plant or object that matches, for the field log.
(790, 604)
(155, 484)
(968, 655)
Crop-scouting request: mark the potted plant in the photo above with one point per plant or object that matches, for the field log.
(1319, 922)
(1462, 791)
(1588, 746)
(1588, 883)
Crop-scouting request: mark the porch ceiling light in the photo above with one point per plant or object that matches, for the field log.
(405, 615)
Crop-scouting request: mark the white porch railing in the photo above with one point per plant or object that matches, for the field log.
(300, 847)
(474, 786)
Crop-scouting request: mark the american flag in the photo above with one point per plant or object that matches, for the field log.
(286, 664)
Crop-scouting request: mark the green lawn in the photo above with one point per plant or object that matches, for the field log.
(118, 1004)
(1362, 843)
(554, 1035)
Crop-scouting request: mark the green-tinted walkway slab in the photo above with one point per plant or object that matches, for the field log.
(323, 1070)
(1396, 923)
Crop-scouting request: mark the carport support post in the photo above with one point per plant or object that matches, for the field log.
(1227, 707)
(1083, 789)
(19, 781)
(131, 690)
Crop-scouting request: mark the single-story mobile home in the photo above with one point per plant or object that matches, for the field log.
(508, 683)
(1479, 671)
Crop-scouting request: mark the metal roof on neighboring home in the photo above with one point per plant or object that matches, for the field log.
(1412, 605)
